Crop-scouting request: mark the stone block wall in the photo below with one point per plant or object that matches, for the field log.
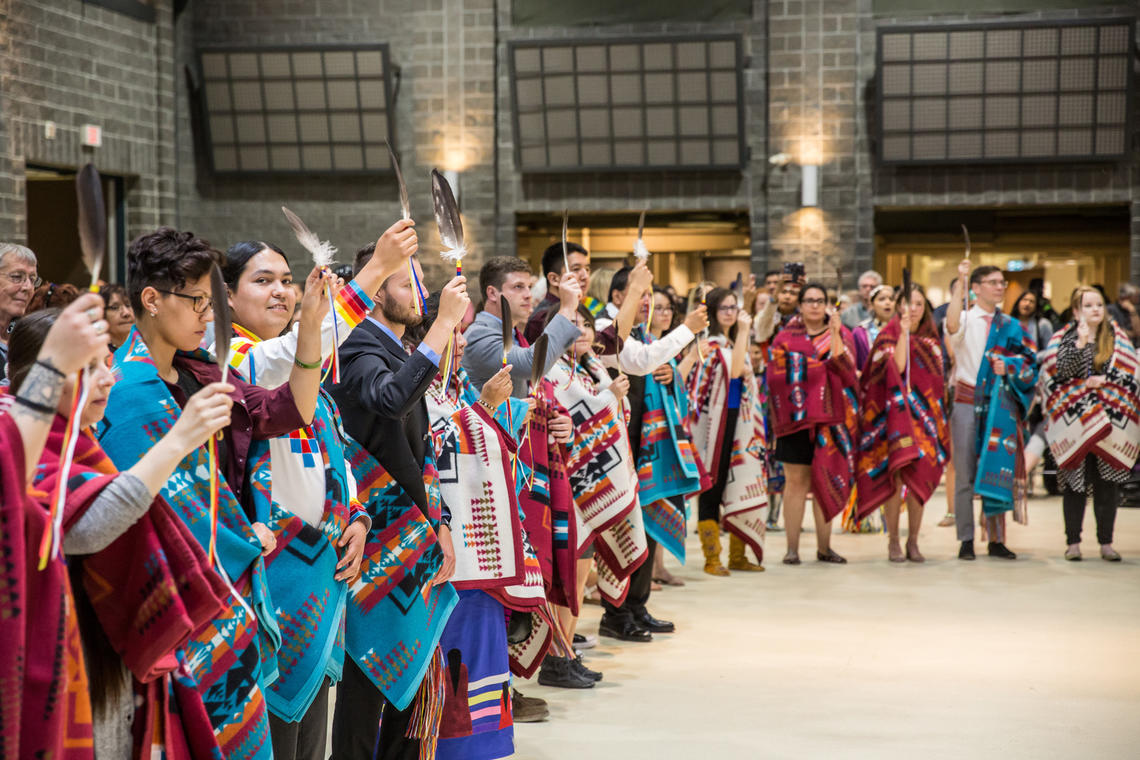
(75, 63)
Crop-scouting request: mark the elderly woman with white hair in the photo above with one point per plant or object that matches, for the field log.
(18, 280)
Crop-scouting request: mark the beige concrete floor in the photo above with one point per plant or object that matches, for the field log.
(1038, 658)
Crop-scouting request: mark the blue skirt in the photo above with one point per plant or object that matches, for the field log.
(477, 722)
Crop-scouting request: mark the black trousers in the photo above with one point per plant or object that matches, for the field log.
(1104, 508)
(640, 584)
(708, 504)
(305, 739)
(359, 705)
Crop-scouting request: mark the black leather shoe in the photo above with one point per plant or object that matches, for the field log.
(967, 550)
(580, 666)
(998, 549)
(652, 624)
(560, 673)
(623, 629)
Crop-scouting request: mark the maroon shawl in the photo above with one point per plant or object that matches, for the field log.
(14, 506)
(151, 588)
(903, 433)
(548, 504)
(814, 391)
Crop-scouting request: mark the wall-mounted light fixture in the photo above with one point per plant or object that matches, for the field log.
(452, 177)
(809, 185)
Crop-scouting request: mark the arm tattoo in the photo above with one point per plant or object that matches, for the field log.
(42, 388)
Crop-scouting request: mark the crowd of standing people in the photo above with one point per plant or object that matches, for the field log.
(411, 494)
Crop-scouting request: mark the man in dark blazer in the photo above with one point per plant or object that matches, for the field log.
(381, 400)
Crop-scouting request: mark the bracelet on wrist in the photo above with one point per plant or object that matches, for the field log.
(486, 406)
(307, 365)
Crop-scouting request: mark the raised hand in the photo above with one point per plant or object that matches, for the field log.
(398, 244)
(620, 387)
(453, 301)
(569, 292)
(78, 336)
(561, 429)
(207, 412)
(498, 388)
(314, 303)
(697, 320)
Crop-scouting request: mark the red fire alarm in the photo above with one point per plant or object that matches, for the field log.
(92, 136)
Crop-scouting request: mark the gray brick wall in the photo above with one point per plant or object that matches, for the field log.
(668, 191)
(1002, 185)
(74, 64)
(443, 114)
(815, 117)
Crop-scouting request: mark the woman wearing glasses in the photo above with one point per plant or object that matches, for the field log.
(18, 281)
(814, 413)
(728, 430)
(161, 367)
(119, 314)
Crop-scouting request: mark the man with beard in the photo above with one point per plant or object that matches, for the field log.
(18, 281)
(381, 399)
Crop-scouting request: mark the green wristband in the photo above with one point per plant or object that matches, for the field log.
(305, 365)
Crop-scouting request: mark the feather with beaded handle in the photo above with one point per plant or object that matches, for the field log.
(565, 252)
(640, 251)
(405, 205)
(322, 251)
(93, 245)
(223, 333)
(448, 220)
(508, 327)
(92, 221)
(538, 365)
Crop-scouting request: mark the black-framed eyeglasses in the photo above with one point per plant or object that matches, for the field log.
(813, 301)
(19, 278)
(201, 303)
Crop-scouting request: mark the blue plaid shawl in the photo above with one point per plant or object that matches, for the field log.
(232, 659)
(1000, 404)
(666, 465)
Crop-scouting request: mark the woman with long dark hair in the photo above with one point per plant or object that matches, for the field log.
(728, 431)
(814, 412)
(903, 448)
(1092, 402)
(118, 535)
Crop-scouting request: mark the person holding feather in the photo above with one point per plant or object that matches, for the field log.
(904, 441)
(995, 377)
(304, 489)
(161, 367)
(381, 397)
(118, 535)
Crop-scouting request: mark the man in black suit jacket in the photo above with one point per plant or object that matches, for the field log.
(381, 400)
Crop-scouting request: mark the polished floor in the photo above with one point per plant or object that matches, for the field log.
(1036, 658)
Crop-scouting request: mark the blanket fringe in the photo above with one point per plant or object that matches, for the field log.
(428, 710)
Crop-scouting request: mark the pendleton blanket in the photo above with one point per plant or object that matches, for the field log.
(44, 705)
(492, 552)
(746, 492)
(473, 457)
(14, 610)
(1104, 421)
(602, 476)
(903, 433)
(813, 391)
(1000, 404)
(666, 464)
(547, 502)
(395, 615)
(301, 570)
(232, 659)
(309, 602)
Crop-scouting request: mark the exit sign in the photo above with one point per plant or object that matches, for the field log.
(92, 135)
